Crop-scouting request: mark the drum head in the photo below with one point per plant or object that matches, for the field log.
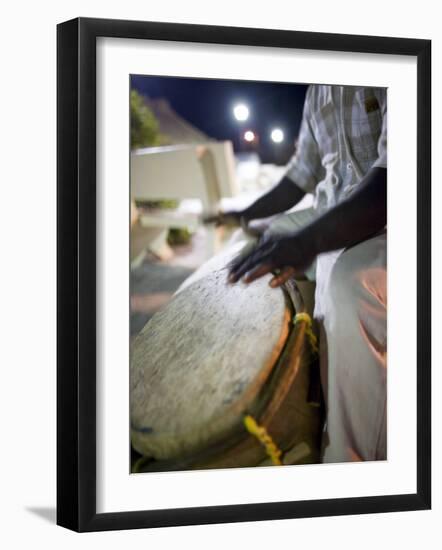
(200, 362)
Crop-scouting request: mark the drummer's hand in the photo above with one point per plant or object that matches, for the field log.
(229, 218)
(289, 255)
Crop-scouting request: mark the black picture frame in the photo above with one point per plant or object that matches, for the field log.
(76, 273)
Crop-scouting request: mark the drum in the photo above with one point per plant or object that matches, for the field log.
(224, 377)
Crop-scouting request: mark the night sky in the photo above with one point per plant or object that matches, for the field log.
(208, 105)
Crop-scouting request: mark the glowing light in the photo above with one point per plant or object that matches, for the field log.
(241, 112)
(277, 135)
(249, 136)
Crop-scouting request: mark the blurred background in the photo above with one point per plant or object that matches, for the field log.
(198, 145)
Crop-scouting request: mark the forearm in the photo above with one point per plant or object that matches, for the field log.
(281, 197)
(363, 214)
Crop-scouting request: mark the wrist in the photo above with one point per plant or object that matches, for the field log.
(308, 240)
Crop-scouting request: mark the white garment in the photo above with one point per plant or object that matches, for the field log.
(354, 354)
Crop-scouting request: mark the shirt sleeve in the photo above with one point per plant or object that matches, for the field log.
(381, 161)
(305, 168)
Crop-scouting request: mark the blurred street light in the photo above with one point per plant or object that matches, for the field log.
(249, 136)
(241, 112)
(277, 135)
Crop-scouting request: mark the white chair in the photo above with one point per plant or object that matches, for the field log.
(225, 167)
(180, 173)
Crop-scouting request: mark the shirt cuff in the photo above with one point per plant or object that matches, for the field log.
(300, 174)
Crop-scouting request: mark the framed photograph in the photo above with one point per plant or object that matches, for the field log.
(225, 223)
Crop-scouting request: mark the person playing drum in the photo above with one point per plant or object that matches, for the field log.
(341, 158)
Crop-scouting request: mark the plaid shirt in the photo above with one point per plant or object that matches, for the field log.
(343, 134)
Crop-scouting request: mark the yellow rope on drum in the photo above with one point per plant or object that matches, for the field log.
(264, 438)
(304, 316)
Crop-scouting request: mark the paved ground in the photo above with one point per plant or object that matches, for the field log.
(152, 286)
(154, 282)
